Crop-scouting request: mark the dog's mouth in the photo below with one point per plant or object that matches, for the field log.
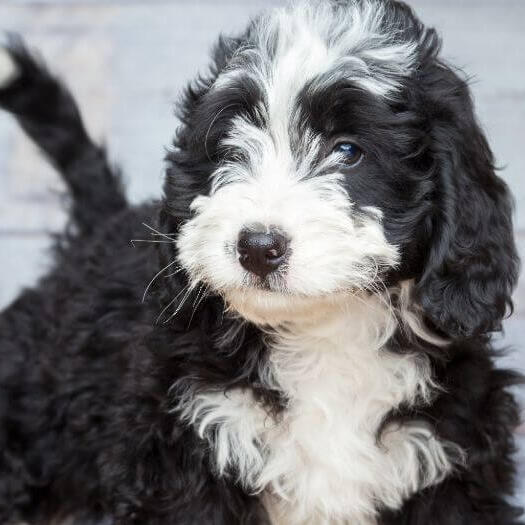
(272, 283)
(266, 305)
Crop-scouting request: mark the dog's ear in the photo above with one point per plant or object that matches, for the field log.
(472, 266)
(188, 163)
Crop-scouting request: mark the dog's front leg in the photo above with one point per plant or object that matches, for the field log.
(158, 471)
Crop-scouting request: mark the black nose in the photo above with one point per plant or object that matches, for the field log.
(261, 253)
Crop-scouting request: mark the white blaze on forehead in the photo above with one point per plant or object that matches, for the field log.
(353, 41)
(300, 55)
(292, 45)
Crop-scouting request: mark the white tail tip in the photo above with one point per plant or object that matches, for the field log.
(8, 69)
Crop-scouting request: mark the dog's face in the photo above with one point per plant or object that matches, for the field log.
(312, 167)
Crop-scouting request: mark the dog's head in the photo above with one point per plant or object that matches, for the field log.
(330, 152)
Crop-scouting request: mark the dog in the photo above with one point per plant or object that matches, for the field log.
(305, 337)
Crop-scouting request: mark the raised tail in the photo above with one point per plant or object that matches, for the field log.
(47, 112)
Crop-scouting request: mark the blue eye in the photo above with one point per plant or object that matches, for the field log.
(352, 153)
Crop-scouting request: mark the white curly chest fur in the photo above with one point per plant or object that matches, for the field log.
(319, 462)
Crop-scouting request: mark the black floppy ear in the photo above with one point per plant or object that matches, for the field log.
(472, 266)
(188, 162)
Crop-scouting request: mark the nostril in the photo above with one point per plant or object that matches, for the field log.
(277, 248)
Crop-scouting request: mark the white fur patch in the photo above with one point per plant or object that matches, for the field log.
(8, 69)
(352, 40)
(411, 315)
(319, 462)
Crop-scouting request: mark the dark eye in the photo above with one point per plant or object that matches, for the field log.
(351, 152)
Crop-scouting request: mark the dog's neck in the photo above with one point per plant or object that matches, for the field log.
(320, 456)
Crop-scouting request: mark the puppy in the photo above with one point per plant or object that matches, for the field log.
(307, 338)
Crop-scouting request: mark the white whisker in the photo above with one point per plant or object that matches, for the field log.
(152, 241)
(157, 231)
(169, 265)
(171, 302)
(201, 294)
(181, 304)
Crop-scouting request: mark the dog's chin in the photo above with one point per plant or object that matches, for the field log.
(264, 306)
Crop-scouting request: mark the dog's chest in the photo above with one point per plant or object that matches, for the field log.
(319, 462)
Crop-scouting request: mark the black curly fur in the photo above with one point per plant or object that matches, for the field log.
(89, 372)
(46, 111)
